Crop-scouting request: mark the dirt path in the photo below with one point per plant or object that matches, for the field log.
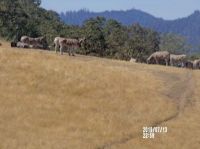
(180, 93)
(184, 99)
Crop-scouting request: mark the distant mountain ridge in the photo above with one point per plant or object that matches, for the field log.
(127, 17)
(187, 26)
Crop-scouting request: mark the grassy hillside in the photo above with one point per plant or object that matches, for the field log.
(52, 101)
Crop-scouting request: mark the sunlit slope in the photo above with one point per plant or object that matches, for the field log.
(60, 102)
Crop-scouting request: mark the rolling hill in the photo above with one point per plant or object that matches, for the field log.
(188, 27)
(52, 101)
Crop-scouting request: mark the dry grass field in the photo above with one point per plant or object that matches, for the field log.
(48, 101)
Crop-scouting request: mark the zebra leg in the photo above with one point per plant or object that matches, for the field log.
(73, 53)
(156, 61)
(166, 61)
(183, 65)
(171, 63)
(56, 48)
(194, 66)
(69, 51)
(61, 50)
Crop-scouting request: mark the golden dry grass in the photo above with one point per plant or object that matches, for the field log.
(48, 101)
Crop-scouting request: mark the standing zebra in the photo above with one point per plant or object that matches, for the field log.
(67, 43)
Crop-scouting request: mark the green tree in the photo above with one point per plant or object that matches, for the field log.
(95, 40)
(116, 37)
(142, 42)
(25, 17)
(174, 43)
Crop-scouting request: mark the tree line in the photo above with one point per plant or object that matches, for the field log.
(104, 37)
(187, 26)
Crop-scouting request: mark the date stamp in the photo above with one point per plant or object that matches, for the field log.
(149, 132)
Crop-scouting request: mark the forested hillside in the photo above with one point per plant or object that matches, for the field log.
(188, 27)
(103, 37)
(26, 17)
(125, 17)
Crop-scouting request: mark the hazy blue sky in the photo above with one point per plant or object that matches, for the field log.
(167, 9)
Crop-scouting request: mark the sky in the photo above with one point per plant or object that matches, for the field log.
(167, 9)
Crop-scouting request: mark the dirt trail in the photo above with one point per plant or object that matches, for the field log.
(184, 99)
(180, 93)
